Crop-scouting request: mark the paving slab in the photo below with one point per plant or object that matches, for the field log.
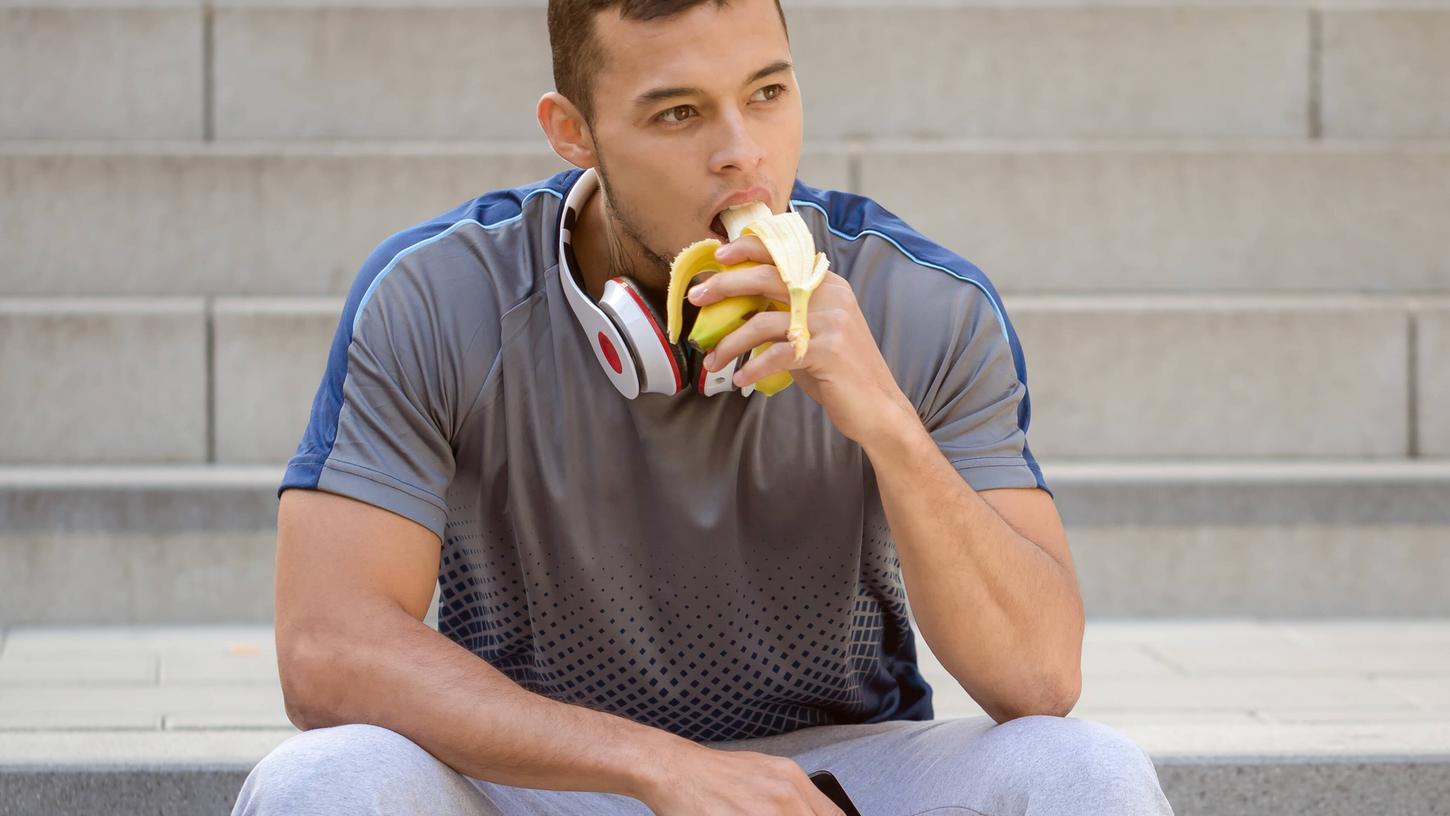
(142, 699)
(1298, 660)
(1431, 691)
(218, 668)
(226, 720)
(69, 669)
(50, 720)
(1353, 717)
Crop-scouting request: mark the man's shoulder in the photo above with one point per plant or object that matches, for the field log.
(474, 261)
(899, 275)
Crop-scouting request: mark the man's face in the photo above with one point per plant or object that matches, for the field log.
(667, 163)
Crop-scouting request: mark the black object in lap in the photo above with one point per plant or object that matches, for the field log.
(827, 783)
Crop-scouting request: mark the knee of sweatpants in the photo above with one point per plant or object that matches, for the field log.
(1083, 765)
(354, 768)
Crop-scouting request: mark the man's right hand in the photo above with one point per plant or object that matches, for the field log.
(702, 781)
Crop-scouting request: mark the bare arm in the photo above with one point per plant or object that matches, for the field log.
(1000, 609)
(353, 586)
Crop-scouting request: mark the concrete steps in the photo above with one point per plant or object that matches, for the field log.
(1140, 377)
(237, 69)
(176, 544)
(1218, 227)
(1241, 716)
(1039, 217)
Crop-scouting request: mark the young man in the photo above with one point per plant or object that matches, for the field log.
(674, 603)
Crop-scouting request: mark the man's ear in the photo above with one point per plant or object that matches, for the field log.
(564, 126)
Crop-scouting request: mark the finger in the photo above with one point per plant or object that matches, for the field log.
(779, 357)
(758, 329)
(744, 248)
(754, 280)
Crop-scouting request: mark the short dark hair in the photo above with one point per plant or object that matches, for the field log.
(578, 54)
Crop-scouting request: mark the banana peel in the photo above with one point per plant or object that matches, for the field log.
(791, 246)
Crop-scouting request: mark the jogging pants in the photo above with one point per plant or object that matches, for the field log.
(1031, 766)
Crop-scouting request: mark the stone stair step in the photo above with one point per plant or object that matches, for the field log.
(1038, 217)
(1094, 71)
(153, 544)
(1224, 376)
(244, 70)
(117, 378)
(107, 70)
(133, 380)
(250, 219)
(1248, 217)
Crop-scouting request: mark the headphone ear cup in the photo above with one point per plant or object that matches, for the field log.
(711, 383)
(681, 360)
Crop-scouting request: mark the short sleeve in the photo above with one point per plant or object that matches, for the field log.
(393, 395)
(979, 410)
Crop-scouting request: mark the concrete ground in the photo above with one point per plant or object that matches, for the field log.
(1241, 716)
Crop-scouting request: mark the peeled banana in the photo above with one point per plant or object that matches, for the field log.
(791, 247)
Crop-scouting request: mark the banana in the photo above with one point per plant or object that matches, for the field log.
(694, 260)
(719, 319)
(789, 242)
(790, 245)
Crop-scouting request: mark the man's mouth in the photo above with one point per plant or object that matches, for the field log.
(718, 228)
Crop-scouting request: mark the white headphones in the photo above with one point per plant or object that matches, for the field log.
(625, 331)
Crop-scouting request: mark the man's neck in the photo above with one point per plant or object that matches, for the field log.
(591, 238)
(590, 251)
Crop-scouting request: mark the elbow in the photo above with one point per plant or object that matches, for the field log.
(302, 663)
(1052, 696)
(1065, 692)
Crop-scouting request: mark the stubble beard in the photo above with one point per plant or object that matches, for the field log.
(625, 243)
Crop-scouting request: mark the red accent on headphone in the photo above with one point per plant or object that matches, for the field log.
(610, 354)
(649, 315)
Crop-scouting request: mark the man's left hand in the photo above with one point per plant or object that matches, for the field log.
(843, 369)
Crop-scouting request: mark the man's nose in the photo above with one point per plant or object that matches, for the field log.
(740, 148)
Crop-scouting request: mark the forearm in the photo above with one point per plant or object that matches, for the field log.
(1002, 615)
(396, 672)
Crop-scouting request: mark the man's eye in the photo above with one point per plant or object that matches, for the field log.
(780, 89)
(664, 117)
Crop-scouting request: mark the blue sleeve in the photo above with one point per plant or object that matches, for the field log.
(396, 384)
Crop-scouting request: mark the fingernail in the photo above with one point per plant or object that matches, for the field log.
(696, 292)
(710, 359)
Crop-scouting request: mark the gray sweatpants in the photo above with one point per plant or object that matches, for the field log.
(1033, 766)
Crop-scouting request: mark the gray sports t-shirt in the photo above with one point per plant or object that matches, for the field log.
(719, 567)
